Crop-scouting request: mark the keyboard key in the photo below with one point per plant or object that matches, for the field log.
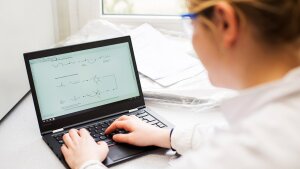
(140, 112)
(123, 131)
(110, 121)
(154, 122)
(102, 137)
(142, 115)
(96, 135)
(104, 125)
(112, 133)
(160, 125)
(149, 118)
(110, 143)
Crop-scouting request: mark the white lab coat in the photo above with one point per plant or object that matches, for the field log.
(264, 132)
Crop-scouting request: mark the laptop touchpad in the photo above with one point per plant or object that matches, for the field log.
(120, 151)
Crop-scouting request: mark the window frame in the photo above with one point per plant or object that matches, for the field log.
(169, 22)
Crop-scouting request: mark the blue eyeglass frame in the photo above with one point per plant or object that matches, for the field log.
(191, 16)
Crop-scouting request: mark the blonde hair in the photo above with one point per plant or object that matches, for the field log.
(276, 21)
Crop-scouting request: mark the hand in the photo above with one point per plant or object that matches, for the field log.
(80, 147)
(140, 133)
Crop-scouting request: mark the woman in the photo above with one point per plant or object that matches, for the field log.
(247, 45)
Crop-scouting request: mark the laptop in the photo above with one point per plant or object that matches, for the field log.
(88, 86)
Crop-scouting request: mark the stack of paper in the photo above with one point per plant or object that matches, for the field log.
(159, 59)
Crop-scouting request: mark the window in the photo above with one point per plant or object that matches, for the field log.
(143, 7)
(72, 15)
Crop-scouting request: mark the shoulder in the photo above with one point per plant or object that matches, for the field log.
(279, 111)
(277, 121)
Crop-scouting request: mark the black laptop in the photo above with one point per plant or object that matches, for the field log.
(88, 86)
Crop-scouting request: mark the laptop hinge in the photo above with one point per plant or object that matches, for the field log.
(58, 130)
(141, 107)
(132, 110)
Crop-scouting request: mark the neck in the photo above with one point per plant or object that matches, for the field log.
(267, 67)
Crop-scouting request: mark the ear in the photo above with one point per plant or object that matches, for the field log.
(227, 23)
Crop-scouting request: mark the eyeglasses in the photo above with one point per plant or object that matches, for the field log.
(187, 23)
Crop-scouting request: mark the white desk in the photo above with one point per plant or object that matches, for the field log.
(21, 145)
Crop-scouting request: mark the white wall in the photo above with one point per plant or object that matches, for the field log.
(25, 25)
(72, 15)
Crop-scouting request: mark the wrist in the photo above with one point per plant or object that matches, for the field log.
(162, 138)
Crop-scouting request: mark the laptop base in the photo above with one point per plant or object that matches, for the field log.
(118, 152)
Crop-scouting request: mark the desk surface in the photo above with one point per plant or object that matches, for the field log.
(22, 146)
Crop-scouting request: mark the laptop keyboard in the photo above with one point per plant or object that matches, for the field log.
(97, 129)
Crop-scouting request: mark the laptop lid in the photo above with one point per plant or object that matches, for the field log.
(83, 82)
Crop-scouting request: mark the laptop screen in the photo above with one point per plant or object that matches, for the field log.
(80, 80)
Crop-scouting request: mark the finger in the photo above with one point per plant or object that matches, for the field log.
(111, 128)
(74, 135)
(122, 138)
(104, 148)
(84, 133)
(67, 140)
(64, 150)
(118, 125)
(124, 117)
(102, 143)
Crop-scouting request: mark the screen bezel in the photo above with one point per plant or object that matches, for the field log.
(88, 114)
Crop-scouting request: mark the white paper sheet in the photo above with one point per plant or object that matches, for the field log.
(155, 55)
